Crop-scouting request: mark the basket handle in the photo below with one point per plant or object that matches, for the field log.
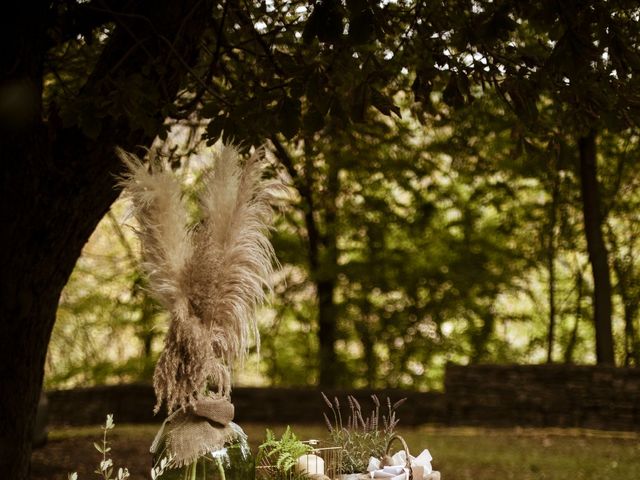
(406, 450)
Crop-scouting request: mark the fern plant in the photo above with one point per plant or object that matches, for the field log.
(278, 457)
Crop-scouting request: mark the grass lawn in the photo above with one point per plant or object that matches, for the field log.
(459, 453)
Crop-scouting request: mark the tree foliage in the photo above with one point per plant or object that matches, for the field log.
(433, 151)
(464, 170)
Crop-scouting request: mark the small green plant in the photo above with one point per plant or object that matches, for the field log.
(360, 437)
(161, 465)
(105, 468)
(279, 457)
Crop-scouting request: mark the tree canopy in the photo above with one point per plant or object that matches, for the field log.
(463, 173)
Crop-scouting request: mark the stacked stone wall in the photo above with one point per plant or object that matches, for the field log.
(482, 395)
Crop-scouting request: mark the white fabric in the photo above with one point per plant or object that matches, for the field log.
(397, 470)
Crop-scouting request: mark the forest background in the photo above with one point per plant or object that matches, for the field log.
(463, 189)
(463, 182)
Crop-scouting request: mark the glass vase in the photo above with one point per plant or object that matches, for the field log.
(232, 462)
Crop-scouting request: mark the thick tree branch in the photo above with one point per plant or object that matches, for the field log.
(58, 184)
(304, 188)
(73, 18)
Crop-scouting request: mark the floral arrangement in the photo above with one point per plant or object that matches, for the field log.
(361, 436)
(210, 269)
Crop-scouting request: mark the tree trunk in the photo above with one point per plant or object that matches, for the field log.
(367, 339)
(481, 337)
(326, 284)
(27, 301)
(327, 333)
(598, 255)
(552, 304)
(321, 251)
(631, 356)
(366, 325)
(551, 258)
(56, 186)
(320, 255)
(623, 266)
(573, 338)
(630, 307)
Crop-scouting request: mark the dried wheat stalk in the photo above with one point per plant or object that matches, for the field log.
(210, 277)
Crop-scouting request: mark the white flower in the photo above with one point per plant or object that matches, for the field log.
(109, 423)
(72, 476)
(105, 464)
(159, 470)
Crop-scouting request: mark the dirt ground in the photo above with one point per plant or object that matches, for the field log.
(66, 454)
(71, 449)
(460, 453)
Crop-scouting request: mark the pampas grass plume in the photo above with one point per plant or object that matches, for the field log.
(211, 277)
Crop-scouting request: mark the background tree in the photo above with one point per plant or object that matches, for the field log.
(582, 58)
(109, 69)
(107, 325)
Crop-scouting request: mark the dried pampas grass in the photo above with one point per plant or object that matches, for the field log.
(211, 277)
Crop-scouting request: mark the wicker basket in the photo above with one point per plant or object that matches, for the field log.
(406, 451)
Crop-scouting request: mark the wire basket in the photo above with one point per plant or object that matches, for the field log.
(331, 460)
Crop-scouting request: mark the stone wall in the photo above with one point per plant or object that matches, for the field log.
(134, 403)
(295, 405)
(544, 395)
(130, 403)
(490, 395)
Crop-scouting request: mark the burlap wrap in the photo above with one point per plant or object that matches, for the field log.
(189, 433)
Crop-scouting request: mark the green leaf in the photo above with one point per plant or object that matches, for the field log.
(384, 104)
(362, 27)
(89, 124)
(421, 87)
(289, 117)
(451, 94)
(556, 31)
(359, 102)
(214, 129)
(313, 121)
(316, 93)
(329, 20)
(210, 109)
